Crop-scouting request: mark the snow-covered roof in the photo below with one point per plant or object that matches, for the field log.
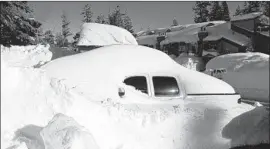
(224, 31)
(246, 16)
(95, 34)
(180, 38)
(147, 40)
(187, 33)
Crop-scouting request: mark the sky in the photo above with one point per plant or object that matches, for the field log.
(144, 14)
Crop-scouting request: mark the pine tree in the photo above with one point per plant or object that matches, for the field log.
(225, 11)
(49, 37)
(65, 29)
(215, 11)
(266, 7)
(101, 19)
(76, 39)
(201, 11)
(87, 13)
(127, 23)
(115, 18)
(175, 23)
(59, 39)
(251, 6)
(238, 11)
(17, 25)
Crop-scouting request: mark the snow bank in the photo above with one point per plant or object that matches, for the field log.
(94, 34)
(64, 132)
(247, 72)
(26, 56)
(249, 128)
(29, 100)
(26, 98)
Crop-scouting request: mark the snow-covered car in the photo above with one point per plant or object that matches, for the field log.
(248, 73)
(139, 70)
(147, 80)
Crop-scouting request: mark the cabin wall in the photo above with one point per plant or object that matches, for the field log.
(227, 47)
(246, 24)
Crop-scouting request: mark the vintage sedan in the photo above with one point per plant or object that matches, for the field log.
(146, 80)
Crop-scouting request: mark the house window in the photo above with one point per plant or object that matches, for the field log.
(138, 82)
(165, 86)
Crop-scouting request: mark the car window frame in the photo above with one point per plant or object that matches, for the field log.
(147, 82)
(181, 93)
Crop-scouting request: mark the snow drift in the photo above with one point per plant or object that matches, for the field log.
(31, 103)
(94, 34)
(63, 132)
(248, 73)
(26, 56)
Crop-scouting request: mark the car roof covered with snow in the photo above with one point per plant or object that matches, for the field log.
(95, 34)
(107, 67)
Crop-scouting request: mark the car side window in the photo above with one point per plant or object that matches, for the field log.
(139, 82)
(165, 86)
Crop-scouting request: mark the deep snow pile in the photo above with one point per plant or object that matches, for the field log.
(94, 34)
(63, 132)
(247, 72)
(30, 103)
(243, 129)
(26, 56)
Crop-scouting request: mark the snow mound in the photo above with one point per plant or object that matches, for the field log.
(26, 56)
(27, 97)
(94, 34)
(64, 132)
(248, 73)
(249, 128)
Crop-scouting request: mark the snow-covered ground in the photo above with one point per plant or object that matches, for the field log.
(40, 112)
(96, 34)
(26, 56)
(248, 73)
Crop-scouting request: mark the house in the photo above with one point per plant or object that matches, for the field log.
(225, 40)
(256, 27)
(237, 35)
